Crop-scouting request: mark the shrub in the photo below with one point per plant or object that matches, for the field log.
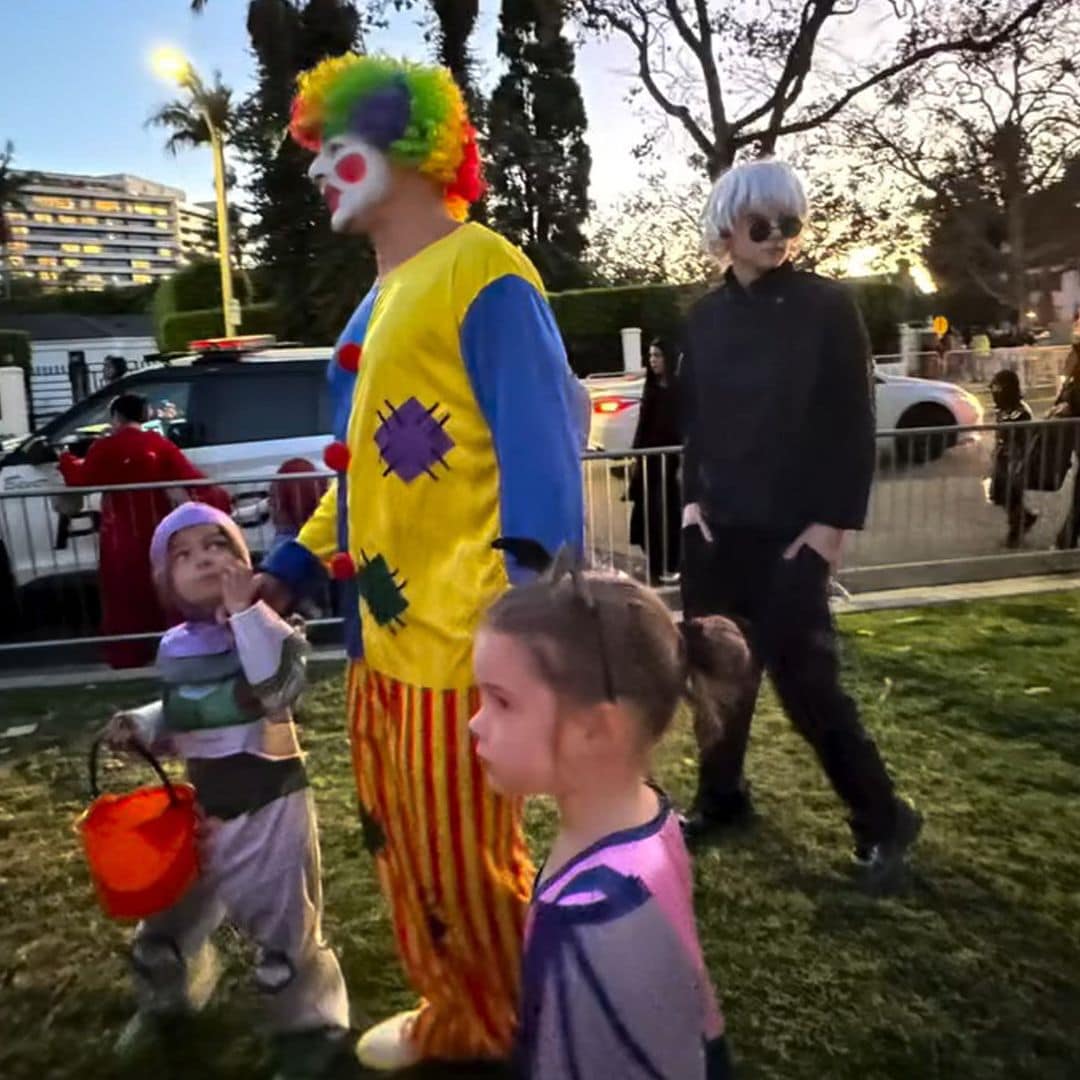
(182, 327)
(194, 288)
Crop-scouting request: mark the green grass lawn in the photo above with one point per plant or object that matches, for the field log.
(972, 972)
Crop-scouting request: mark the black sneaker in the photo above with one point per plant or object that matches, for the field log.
(880, 862)
(703, 828)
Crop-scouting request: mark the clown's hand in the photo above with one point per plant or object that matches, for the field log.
(274, 592)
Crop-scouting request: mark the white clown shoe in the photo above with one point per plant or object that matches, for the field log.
(388, 1046)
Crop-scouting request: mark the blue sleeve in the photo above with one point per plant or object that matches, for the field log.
(517, 364)
(296, 566)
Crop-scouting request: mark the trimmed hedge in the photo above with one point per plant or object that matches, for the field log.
(194, 288)
(185, 326)
(590, 320)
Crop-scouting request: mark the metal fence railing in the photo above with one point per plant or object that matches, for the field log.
(1036, 365)
(947, 505)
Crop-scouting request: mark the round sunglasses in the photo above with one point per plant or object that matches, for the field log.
(761, 228)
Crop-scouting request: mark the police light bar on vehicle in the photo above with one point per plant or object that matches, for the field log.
(243, 343)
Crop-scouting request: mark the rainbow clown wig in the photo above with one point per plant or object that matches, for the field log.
(414, 114)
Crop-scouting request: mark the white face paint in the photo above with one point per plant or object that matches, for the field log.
(353, 177)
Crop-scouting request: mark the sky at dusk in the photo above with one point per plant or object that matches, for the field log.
(76, 85)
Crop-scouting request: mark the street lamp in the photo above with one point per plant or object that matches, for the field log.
(171, 64)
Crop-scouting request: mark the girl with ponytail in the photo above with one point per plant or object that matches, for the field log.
(580, 676)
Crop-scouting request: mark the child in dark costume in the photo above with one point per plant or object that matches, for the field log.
(579, 678)
(1007, 482)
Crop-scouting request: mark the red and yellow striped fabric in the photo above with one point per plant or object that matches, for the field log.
(451, 857)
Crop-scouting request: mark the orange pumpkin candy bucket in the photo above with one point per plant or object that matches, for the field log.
(140, 846)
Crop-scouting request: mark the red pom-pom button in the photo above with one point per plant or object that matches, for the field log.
(336, 457)
(348, 356)
(342, 566)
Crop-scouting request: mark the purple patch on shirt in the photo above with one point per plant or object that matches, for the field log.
(412, 441)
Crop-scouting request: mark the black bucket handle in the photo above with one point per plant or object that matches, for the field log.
(143, 752)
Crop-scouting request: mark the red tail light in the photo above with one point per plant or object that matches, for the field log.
(609, 406)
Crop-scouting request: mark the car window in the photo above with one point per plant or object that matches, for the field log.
(168, 406)
(259, 406)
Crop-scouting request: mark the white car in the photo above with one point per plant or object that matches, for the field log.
(233, 409)
(901, 402)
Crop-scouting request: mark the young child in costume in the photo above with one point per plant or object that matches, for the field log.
(1007, 479)
(457, 421)
(579, 677)
(231, 672)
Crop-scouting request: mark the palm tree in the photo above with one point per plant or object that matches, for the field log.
(186, 118)
(12, 187)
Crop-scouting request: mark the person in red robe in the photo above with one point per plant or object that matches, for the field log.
(130, 455)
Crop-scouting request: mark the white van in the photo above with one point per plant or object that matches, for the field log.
(233, 409)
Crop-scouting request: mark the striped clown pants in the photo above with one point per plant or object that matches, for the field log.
(451, 859)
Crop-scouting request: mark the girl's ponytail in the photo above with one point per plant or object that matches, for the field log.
(720, 674)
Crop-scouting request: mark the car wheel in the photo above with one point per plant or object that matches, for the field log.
(919, 449)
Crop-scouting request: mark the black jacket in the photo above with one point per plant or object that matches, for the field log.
(778, 405)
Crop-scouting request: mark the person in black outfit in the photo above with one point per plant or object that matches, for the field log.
(656, 518)
(1007, 480)
(778, 419)
(1068, 405)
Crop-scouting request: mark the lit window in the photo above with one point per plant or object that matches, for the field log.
(20, 230)
(54, 202)
(18, 245)
(46, 260)
(162, 224)
(93, 279)
(107, 205)
(15, 215)
(48, 275)
(140, 264)
(91, 249)
(68, 219)
(69, 247)
(73, 262)
(16, 260)
(141, 279)
(165, 253)
(161, 211)
(43, 217)
(89, 221)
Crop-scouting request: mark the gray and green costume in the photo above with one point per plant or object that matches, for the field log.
(225, 710)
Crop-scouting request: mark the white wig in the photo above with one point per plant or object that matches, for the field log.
(763, 187)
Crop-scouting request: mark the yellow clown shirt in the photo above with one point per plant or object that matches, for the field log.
(457, 422)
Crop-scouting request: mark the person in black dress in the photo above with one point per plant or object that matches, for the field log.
(656, 518)
(1068, 405)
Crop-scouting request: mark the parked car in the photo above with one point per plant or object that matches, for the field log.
(901, 402)
(233, 410)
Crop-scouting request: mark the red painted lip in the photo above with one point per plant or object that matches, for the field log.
(332, 197)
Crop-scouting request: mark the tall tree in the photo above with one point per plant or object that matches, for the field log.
(12, 187)
(740, 77)
(993, 149)
(456, 20)
(540, 162)
(316, 277)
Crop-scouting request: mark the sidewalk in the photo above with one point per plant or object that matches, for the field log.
(888, 599)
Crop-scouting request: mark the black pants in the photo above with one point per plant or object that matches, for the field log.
(783, 607)
(1070, 527)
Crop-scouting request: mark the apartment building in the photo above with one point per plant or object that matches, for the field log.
(87, 232)
(197, 230)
